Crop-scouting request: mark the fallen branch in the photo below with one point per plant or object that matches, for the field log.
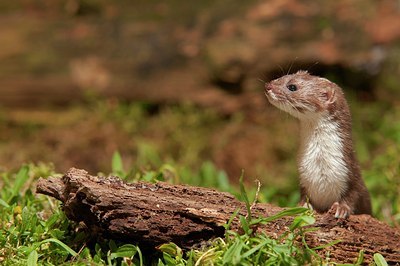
(152, 214)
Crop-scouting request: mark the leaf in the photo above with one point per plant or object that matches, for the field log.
(245, 225)
(208, 173)
(256, 248)
(360, 258)
(20, 180)
(232, 255)
(332, 243)
(113, 247)
(52, 220)
(169, 259)
(61, 244)
(27, 222)
(117, 165)
(379, 260)
(160, 263)
(234, 214)
(302, 220)
(4, 204)
(223, 181)
(244, 196)
(288, 212)
(170, 248)
(190, 258)
(125, 251)
(32, 258)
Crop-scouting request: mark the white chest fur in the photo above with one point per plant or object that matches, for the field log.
(323, 171)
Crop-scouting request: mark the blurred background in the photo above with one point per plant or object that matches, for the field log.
(181, 83)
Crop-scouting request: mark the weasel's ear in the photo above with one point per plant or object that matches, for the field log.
(329, 96)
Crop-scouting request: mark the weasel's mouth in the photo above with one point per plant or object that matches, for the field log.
(279, 101)
(271, 96)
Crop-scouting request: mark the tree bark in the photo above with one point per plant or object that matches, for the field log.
(152, 214)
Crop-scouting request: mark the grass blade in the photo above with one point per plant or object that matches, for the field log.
(20, 180)
(244, 196)
(379, 260)
(32, 258)
(4, 204)
(116, 165)
(61, 244)
(288, 212)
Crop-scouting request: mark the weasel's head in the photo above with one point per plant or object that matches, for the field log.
(301, 94)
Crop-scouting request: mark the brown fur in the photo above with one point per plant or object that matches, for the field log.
(314, 95)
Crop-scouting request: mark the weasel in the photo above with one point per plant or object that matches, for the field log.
(329, 172)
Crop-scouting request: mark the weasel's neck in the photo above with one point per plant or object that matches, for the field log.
(322, 165)
(323, 131)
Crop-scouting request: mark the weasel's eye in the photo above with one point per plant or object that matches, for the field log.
(292, 87)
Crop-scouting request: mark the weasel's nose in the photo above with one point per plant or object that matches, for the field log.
(268, 86)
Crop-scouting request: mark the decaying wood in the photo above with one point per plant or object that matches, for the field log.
(152, 214)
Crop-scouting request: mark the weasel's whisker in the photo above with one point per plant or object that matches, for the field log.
(290, 68)
(283, 72)
(316, 63)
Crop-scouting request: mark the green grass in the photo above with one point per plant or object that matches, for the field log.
(34, 230)
(249, 248)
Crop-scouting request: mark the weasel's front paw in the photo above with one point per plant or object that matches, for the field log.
(341, 210)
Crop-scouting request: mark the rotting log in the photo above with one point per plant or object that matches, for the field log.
(152, 214)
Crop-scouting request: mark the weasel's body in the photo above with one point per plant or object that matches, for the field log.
(329, 171)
